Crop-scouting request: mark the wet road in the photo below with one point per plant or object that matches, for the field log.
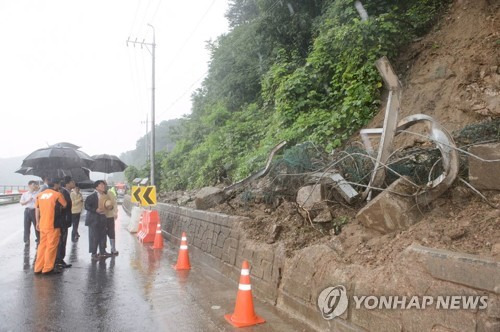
(137, 290)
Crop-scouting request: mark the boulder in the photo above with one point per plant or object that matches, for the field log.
(208, 197)
(484, 174)
(388, 211)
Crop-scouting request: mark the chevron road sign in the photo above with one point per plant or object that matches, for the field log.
(149, 196)
(136, 197)
(145, 196)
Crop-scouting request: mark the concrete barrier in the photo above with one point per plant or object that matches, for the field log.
(135, 216)
(9, 199)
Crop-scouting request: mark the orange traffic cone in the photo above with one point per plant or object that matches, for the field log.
(183, 258)
(158, 244)
(244, 314)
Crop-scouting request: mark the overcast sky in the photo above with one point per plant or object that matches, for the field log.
(66, 73)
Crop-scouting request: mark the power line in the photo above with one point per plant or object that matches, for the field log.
(135, 17)
(144, 18)
(188, 89)
(189, 37)
(267, 10)
(155, 12)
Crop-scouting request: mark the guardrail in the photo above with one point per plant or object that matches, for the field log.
(12, 189)
(9, 198)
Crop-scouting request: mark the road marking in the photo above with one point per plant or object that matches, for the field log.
(10, 237)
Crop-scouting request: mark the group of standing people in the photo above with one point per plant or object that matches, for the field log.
(55, 207)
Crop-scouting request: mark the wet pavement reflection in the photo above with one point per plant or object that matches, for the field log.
(138, 290)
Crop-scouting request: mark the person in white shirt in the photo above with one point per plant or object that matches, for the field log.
(28, 200)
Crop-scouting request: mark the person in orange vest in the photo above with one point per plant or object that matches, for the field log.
(48, 222)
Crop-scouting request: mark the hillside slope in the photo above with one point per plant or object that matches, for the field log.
(453, 73)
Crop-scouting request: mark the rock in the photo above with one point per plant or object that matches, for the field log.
(208, 197)
(313, 211)
(335, 180)
(183, 200)
(336, 245)
(388, 211)
(456, 233)
(275, 233)
(309, 195)
(482, 174)
(323, 216)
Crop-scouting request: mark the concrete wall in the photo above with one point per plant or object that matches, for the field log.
(293, 284)
(218, 238)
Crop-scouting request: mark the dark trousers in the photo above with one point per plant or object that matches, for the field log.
(75, 219)
(110, 223)
(29, 218)
(61, 248)
(97, 236)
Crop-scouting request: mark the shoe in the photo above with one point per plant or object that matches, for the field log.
(115, 253)
(39, 272)
(53, 271)
(105, 255)
(63, 264)
(94, 257)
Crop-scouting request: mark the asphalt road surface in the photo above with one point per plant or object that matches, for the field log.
(135, 291)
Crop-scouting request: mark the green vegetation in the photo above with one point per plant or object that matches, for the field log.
(288, 70)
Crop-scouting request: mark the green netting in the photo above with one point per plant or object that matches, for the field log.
(479, 132)
(420, 162)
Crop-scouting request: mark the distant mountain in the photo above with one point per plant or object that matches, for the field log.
(164, 140)
(7, 168)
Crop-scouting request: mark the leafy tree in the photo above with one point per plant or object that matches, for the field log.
(288, 70)
(131, 173)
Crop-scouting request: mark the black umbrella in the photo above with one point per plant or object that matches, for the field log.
(65, 145)
(53, 158)
(77, 174)
(24, 170)
(107, 163)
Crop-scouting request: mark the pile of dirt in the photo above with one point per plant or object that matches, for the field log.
(459, 222)
(453, 73)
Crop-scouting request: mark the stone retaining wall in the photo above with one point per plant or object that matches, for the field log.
(294, 284)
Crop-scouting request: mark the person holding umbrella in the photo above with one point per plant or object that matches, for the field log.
(48, 223)
(111, 213)
(96, 221)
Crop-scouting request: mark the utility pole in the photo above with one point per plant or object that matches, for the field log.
(146, 137)
(152, 52)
